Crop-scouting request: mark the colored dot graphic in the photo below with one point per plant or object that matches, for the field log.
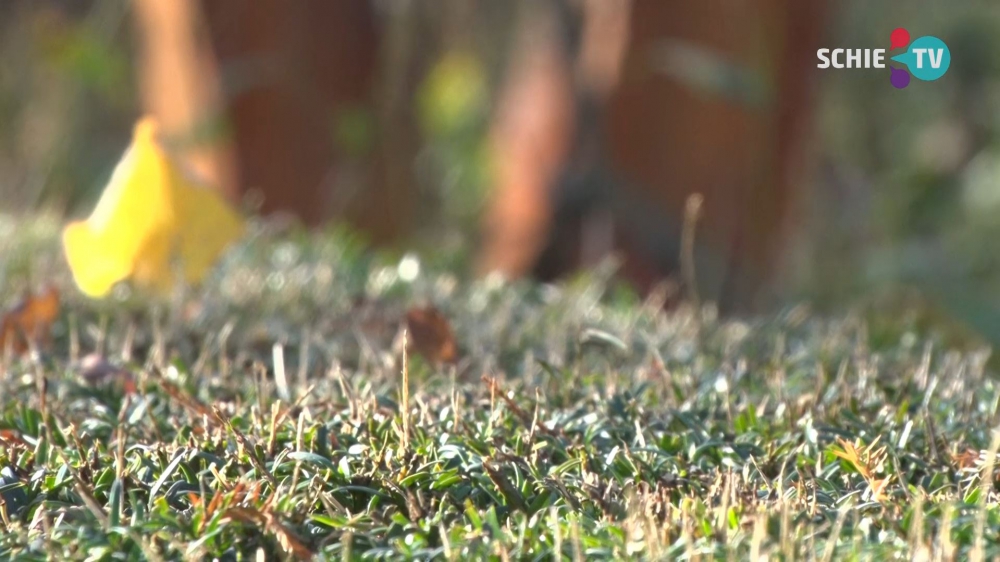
(926, 58)
(899, 78)
(899, 38)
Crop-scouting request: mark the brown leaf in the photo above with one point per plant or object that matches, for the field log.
(430, 335)
(969, 458)
(29, 320)
(11, 437)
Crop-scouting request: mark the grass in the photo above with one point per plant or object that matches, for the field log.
(578, 422)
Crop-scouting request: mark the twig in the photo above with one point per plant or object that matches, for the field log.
(692, 211)
(405, 396)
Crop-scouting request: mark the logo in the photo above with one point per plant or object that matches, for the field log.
(927, 58)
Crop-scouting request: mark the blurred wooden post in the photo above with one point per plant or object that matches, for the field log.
(292, 70)
(179, 84)
(295, 88)
(740, 141)
(712, 98)
(530, 140)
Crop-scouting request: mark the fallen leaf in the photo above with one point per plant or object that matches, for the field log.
(12, 438)
(150, 214)
(207, 227)
(430, 335)
(969, 459)
(29, 320)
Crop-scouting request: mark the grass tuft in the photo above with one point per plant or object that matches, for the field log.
(573, 422)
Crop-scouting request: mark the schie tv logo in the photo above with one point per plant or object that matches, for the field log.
(927, 58)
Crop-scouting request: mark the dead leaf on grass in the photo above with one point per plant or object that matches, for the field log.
(430, 335)
(29, 320)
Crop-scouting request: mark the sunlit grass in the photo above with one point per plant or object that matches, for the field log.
(578, 421)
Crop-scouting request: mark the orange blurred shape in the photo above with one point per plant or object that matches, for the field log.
(29, 320)
(430, 335)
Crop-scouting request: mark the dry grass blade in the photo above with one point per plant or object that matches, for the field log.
(268, 522)
(509, 492)
(692, 212)
(528, 420)
(189, 402)
(866, 461)
(247, 447)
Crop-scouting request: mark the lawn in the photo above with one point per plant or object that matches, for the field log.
(276, 412)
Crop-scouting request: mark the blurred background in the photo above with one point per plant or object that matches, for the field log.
(538, 137)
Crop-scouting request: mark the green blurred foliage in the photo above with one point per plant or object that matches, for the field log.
(453, 106)
(909, 180)
(66, 93)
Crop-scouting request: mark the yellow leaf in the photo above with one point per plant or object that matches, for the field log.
(149, 214)
(29, 320)
(208, 226)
